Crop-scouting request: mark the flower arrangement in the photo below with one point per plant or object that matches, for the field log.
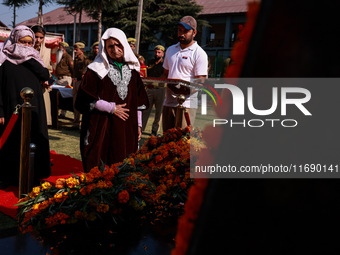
(152, 182)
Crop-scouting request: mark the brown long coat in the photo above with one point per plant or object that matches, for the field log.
(105, 137)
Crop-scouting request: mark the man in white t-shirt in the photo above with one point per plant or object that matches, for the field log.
(185, 60)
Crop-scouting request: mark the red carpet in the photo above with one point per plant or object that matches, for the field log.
(63, 166)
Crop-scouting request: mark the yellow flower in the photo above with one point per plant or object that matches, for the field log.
(72, 182)
(46, 185)
(59, 197)
(36, 190)
(82, 177)
(35, 207)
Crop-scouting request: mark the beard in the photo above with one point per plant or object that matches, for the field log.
(59, 55)
(184, 41)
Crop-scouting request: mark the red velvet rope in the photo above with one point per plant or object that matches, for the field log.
(8, 129)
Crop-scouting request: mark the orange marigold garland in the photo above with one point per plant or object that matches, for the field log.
(187, 221)
(152, 182)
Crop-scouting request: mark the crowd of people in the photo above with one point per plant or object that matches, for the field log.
(108, 92)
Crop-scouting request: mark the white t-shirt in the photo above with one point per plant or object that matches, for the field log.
(184, 64)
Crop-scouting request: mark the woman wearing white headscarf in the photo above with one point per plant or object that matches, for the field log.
(110, 98)
(21, 66)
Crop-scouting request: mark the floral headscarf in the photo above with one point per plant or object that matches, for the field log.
(17, 53)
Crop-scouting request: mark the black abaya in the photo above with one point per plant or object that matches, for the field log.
(13, 78)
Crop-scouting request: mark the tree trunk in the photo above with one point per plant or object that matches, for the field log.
(40, 17)
(79, 25)
(100, 12)
(14, 15)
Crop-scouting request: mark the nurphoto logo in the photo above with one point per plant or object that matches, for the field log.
(295, 96)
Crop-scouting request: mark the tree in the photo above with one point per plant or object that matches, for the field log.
(19, 3)
(159, 21)
(98, 7)
(74, 7)
(40, 11)
(15, 4)
(94, 8)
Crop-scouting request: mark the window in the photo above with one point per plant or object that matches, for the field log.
(216, 35)
(84, 37)
(236, 28)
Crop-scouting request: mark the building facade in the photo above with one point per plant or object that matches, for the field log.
(225, 17)
(60, 21)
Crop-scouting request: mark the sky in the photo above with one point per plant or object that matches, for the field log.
(23, 13)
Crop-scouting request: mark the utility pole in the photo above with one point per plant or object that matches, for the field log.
(138, 24)
(74, 32)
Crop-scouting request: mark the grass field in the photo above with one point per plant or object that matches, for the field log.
(66, 141)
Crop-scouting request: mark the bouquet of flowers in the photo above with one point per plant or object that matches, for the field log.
(152, 182)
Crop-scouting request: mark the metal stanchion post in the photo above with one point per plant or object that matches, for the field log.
(180, 110)
(27, 94)
(33, 149)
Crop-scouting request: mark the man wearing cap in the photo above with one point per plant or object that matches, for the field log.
(185, 60)
(141, 59)
(80, 64)
(155, 94)
(132, 43)
(95, 50)
(64, 68)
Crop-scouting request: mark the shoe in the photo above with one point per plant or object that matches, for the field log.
(154, 133)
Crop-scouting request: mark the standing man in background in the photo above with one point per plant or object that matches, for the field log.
(95, 50)
(64, 68)
(185, 60)
(155, 94)
(132, 43)
(80, 64)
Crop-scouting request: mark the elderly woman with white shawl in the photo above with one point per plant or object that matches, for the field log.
(21, 66)
(111, 97)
